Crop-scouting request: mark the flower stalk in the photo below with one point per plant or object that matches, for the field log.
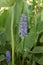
(12, 35)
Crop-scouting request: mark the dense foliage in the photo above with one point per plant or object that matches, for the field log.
(21, 32)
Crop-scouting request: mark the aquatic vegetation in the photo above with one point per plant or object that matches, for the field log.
(21, 32)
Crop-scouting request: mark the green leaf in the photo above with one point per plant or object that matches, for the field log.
(29, 41)
(6, 3)
(38, 49)
(40, 61)
(3, 18)
(2, 57)
(41, 39)
(8, 26)
(40, 27)
(42, 15)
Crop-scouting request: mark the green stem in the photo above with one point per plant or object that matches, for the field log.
(23, 60)
(12, 36)
(23, 52)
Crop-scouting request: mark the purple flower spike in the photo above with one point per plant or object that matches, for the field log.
(23, 25)
(8, 56)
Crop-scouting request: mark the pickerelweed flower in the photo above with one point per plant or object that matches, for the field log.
(8, 56)
(23, 25)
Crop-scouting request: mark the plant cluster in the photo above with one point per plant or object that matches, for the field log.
(21, 32)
